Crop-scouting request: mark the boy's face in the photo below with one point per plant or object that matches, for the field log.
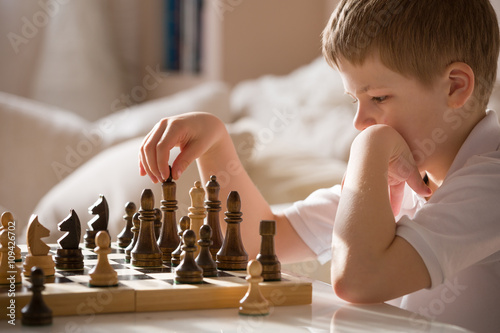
(386, 97)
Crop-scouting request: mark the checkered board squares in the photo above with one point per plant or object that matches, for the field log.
(149, 289)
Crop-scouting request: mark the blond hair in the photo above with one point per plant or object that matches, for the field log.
(418, 38)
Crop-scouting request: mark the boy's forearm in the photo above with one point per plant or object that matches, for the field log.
(223, 161)
(364, 226)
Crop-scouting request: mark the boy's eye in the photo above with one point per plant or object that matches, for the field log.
(379, 99)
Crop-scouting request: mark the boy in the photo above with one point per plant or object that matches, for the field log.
(418, 211)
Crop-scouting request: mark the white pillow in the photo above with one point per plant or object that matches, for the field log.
(306, 111)
(41, 145)
(212, 97)
(35, 138)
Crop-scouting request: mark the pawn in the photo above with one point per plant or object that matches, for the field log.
(103, 275)
(135, 232)
(126, 235)
(36, 312)
(254, 303)
(204, 258)
(8, 223)
(8, 269)
(188, 271)
(157, 223)
(176, 254)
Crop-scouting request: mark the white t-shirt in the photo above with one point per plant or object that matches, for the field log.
(456, 232)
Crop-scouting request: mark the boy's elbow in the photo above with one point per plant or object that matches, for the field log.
(356, 286)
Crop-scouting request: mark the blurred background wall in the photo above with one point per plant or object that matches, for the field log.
(85, 55)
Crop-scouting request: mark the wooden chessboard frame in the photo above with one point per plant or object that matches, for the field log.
(142, 290)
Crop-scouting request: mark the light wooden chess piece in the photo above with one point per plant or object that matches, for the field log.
(103, 275)
(254, 303)
(9, 224)
(197, 212)
(9, 272)
(38, 252)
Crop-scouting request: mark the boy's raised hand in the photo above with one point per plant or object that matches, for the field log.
(194, 133)
(401, 167)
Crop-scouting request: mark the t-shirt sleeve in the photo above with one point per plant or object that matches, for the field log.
(460, 225)
(313, 219)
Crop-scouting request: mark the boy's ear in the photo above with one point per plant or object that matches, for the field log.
(461, 84)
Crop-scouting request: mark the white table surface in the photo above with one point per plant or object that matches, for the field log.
(327, 313)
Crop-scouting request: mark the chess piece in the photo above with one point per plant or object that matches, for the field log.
(197, 211)
(232, 254)
(102, 274)
(9, 224)
(69, 256)
(99, 221)
(169, 238)
(36, 312)
(146, 252)
(271, 267)
(38, 251)
(254, 303)
(157, 223)
(213, 207)
(176, 254)
(188, 271)
(135, 231)
(204, 258)
(125, 236)
(9, 272)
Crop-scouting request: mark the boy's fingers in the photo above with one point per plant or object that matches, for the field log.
(418, 185)
(149, 152)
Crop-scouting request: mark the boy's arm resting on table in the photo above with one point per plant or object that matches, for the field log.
(204, 138)
(370, 263)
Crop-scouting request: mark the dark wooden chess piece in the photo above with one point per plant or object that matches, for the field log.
(135, 231)
(125, 236)
(232, 254)
(98, 223)
(36, 312)
(271, 267)
(204, 258)
(69, 256)
(169, 237)
(176, 254)
(188, 271)
(213, 207)
(157, 223)
(254, 303)
(146, 252)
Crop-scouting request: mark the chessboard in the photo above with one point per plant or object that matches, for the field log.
(149, 289)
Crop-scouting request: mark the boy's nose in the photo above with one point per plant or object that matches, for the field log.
(364, 118)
